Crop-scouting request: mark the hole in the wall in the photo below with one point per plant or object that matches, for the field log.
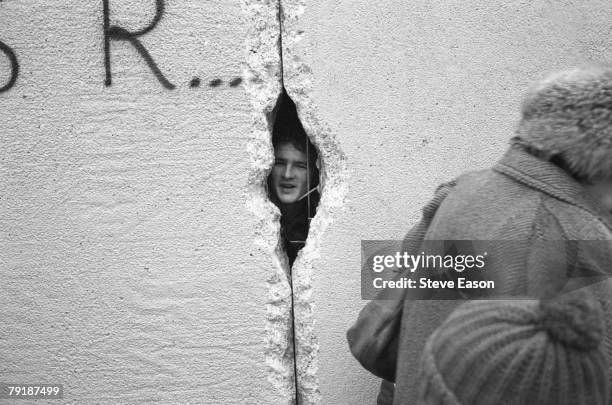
(293, 186)
(293, 182)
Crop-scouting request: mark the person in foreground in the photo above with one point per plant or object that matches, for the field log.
(518, 352)
(553, 185)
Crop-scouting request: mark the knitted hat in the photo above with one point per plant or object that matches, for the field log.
(569, 115)
(517, 352)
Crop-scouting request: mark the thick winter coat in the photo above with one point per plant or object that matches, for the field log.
(523, 198)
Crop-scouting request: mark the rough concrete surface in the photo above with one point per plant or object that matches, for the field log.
(263, 85)
(128, 268)
(413, 93)
(139, 255)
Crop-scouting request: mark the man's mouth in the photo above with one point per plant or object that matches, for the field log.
(287, 186)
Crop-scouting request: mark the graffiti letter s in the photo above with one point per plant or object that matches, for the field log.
(14, 66)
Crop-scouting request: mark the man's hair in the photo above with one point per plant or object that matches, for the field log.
(289, 130)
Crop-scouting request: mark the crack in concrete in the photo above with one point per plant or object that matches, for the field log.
(298, 82)
(294, 342)
(263, 84)
(272, 64)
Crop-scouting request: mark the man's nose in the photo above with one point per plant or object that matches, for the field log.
(288, 172)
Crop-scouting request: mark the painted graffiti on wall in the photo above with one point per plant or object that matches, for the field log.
(195, 82)
(113, 32)
(117, 33)
(10, 54)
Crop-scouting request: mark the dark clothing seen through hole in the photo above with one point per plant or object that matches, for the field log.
(293, 183)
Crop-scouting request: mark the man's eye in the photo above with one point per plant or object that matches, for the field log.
(279, 163)
(300, 165)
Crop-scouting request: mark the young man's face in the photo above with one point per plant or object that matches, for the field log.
(290, 173)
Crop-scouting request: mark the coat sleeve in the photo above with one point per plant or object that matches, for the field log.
(373, 339)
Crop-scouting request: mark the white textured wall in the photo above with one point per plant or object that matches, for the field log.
(414, 93)
(127, 266)
(138, 254)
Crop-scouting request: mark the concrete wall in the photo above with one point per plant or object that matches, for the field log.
(413, 93)
(139, 256)
(128, 269)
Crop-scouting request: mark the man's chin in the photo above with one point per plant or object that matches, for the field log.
(287, 198)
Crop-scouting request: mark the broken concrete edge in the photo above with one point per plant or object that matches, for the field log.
(263, 85)
(298, 80)
(334, 180)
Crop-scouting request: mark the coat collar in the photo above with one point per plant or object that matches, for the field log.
(548, 178)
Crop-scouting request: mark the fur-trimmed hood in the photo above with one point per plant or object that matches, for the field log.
(569, 115)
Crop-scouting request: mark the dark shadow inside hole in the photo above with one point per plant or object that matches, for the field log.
(293, 182)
